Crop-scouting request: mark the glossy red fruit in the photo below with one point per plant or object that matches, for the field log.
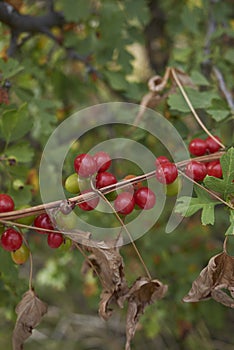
(214, 169)
(43, 221)
(166, 173)
(196, 170)
(161, 160)
(105, 179)
(197, 147)
(103, 161)
(85, 165)
(211, 145)
(55, 240)
(11, 240)
(6, 203)
(124, 203)
(145, 198)
(89, 204)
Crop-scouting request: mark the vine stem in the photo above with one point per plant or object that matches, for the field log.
(30, 282)
(206, 189)
(126, 230)
(175, 77)
(39, 209)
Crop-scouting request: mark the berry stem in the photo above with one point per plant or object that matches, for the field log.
(78, 246)
(175, 77)
(125, 228)
(30, 282)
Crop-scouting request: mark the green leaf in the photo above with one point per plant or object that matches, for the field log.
(22, 151)
(218, 110)
(230, 230)
(199, 79)
(22, 196)
(187, 206)
(14, 124)
(224, 186)
(117, 80)
(76, 11)
(198, 99)
(189, 19)
(10, 68)
(229, 56)
(137, 10)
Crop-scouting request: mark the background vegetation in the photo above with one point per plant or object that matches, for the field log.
(99, 51)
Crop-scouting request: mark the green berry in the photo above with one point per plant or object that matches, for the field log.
(71, 183)
(27, 220)
(66, 245)
(174, 188)
(21, 255)
(66, 222)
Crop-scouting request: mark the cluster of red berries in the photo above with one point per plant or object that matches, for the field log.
(93, 172)
(95, 167)
(198, 170)
(12, 240)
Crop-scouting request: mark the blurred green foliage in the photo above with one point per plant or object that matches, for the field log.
(127, 42)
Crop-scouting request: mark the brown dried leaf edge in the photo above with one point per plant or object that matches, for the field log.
(215, 281)
(109, 265)
(30, 311)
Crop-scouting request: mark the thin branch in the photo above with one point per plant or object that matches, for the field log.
(192, 109)
(227, 94)
(39, 209)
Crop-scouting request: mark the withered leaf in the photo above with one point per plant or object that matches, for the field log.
(216, 277)
(142, 293)
(30, 311)
(109, 265)
(80, 237)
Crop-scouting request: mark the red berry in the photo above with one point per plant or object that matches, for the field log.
(196, 170)
(105, 179)
(103, 161)
(145, 198)
(161, 160)
(124, 203)
(89, 204)
(43, 221)
(214, 169)
(166, 173)
(197, 147)
(6, 203)
(11, 240)
(211, 145)
(55, 240)
(85, 165)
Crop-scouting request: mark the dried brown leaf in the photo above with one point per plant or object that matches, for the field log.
(142, 293)
(109, 265)
(80, 237)
(30, 311)
(216, 277)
